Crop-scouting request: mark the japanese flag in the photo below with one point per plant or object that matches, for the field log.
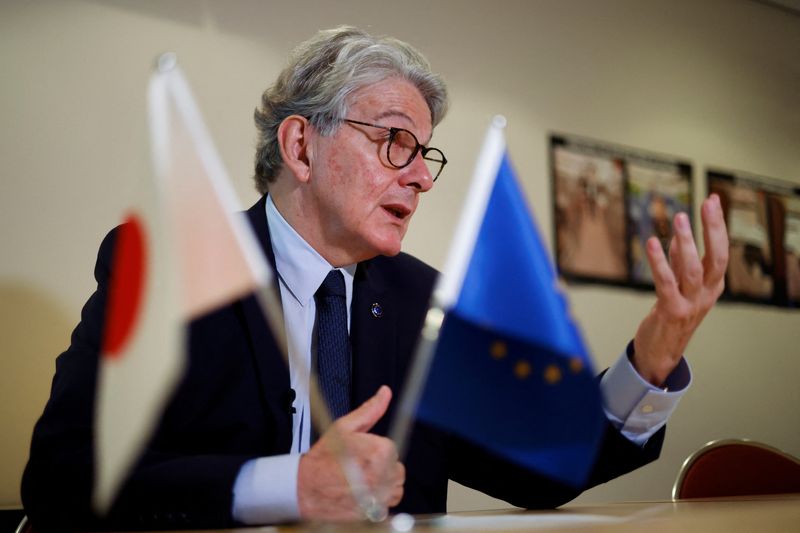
(184, 250)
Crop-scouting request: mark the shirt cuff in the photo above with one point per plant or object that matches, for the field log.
(265, 491)
(634, 406)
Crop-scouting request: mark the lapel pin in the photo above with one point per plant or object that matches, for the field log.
(377, 310)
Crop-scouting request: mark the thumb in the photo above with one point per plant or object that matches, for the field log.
(368, 413)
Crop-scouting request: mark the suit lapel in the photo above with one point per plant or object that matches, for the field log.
(372, 338)
(372, 333)
(271, 370)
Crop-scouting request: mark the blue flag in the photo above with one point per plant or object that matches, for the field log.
(510, 371)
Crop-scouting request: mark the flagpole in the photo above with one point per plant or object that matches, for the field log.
(266, 293)
(415, 382)
(449, 283)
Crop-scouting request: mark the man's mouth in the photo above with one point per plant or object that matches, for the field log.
(398, 211)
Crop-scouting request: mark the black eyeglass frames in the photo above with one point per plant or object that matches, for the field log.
(403, 147)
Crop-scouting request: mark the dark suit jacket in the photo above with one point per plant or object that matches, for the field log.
(234, 404)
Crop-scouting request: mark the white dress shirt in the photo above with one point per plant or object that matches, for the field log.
(265, 490)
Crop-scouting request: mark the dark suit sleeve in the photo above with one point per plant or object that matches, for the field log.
(166, 489)
(435, 455)
(616, 456)
(474, 467)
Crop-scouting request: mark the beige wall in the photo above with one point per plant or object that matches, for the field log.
(717, 82)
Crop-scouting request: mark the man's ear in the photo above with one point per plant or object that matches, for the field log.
(294, 138)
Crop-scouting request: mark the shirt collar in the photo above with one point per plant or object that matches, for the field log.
(299, 266)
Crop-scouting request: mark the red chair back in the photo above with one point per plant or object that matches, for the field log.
(737, 468)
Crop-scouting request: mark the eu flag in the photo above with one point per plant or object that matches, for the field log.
(510, 371)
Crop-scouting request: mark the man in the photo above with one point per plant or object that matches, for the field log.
(342, 160)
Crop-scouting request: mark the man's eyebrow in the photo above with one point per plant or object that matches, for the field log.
(394, 113)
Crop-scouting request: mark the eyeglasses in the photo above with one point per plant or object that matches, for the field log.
(403, 147)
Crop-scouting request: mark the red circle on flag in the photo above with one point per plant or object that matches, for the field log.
(126, 287)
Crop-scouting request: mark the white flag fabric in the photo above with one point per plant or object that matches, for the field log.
(218, 253)
(184, 250)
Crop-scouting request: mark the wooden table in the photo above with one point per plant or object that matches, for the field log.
(757, 514)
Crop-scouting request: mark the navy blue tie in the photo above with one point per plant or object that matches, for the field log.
(333, 344)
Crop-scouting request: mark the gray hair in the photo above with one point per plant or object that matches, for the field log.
(322, 74)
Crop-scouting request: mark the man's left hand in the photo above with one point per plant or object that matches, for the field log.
(686, 289)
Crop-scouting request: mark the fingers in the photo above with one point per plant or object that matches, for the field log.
(326, 493)
(327, 488)
(386, 478)
(663, 276)
(367, 414)
(399, 480)
(395, 485)
(686, 288)
(692, 274)
(375, 455)
(378, 465)
(371, 449)
(715, 238)
(689, 269)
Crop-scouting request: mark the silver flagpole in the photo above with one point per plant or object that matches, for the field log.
(415, 381)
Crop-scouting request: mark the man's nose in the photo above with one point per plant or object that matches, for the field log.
(417, 175)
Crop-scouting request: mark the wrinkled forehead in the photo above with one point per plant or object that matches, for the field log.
(393, 102)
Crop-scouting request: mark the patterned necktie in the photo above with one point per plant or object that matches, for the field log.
(333, 344)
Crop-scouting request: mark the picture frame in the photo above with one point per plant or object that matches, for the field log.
(763, 219)
(750, 260)
(791, 247)
(608, 200)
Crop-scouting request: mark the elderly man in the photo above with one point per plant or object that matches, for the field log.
(342, 160)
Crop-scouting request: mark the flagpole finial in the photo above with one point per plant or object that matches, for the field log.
(499, 122)
(166, 62)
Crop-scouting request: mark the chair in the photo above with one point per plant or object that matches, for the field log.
(736, 467)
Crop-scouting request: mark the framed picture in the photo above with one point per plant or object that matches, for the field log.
(763, 218)
(791, 249)
(750, 264)
(656, 192)
(607, 201)
(590, 214)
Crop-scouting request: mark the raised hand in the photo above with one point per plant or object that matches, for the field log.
(323, 491)
(686, 289)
